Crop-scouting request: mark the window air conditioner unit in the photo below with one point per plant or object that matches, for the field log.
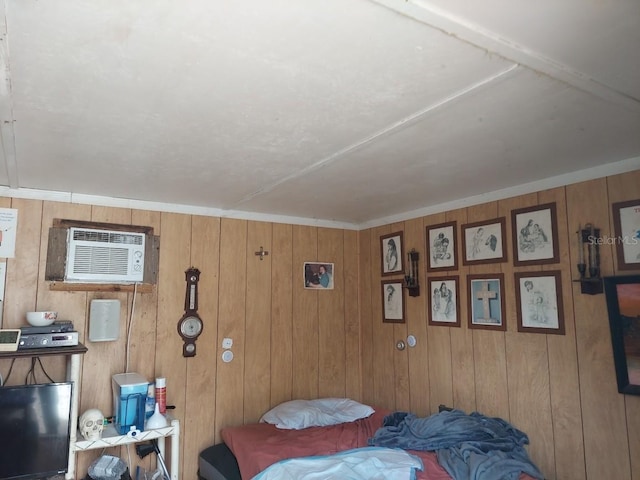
(104, 256)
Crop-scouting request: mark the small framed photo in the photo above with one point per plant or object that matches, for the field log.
(483, 242)
(626, 225)
(444, 306)
(318, 275)
(539, 302)
(392, 301)
(391, 253)
(535, 235)
(442, 247)
(486, 301)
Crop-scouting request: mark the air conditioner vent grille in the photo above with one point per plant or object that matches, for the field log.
(106, 260)
(120, 238)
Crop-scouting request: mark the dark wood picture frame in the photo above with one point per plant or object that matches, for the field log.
(535, 235)
(444, 301)
(539, 302)
(626, 226)
(392, 253)
(485, 299)
(393, 306)
(442, 246)
(623, 306)
(484, 242)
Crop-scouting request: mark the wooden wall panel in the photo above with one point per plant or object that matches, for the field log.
(281, 314)
(201, 371)
(602, 407)
(418, 358)
(366, 293)
(257, 323)
(231, 321)
(353, 387)
(331, 318)
(305, 315)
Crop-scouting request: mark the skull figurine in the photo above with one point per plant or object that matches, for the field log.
(91, 424)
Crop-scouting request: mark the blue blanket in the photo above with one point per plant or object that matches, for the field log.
(473, 446)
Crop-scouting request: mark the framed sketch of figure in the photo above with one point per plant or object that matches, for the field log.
(483, 242)
(535, 235)
(391, 253)
(444, 306)
(442, 246)
(539, 302)
(392, 301)
(626, 224)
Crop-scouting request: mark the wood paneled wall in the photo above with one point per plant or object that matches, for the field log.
(289, 342)
(560, 389)
(295, 343)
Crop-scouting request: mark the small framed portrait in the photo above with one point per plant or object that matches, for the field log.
(539, 302)
(318, 275)
(535, 235)
(626, 225)
(442, 247)
(486, 301)
(483, 242)
(444, 306)
(391, 253)
(392, 301)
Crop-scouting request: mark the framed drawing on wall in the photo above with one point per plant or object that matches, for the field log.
(483, 242)
(392, 301)
(623, 306)
(486, 301)
(626, 225)
(442, 246)
(539, 302)
(444, 307)
(391, 253)
(535, 235)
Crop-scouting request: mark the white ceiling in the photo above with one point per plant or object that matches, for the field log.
(349, 113)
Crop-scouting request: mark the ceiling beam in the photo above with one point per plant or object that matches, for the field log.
(424, 12)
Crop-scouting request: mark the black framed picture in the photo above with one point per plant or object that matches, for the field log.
(623, 306)
(483, 242)
(535, 235)
(391, 253)
(442, 246)
(539, 302)
(444, 305)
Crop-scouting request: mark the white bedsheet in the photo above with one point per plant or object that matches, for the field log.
(367, 463)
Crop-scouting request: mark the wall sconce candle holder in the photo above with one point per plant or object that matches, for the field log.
(589, 267)
(411, 282)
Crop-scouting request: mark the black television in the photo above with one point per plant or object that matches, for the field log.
(34, 430)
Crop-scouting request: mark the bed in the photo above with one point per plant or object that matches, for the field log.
(370, 440)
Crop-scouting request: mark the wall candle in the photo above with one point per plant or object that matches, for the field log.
(580, 246)
(592, 249)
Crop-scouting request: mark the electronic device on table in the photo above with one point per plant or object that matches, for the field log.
(58, 334)
(9, 339)
(34, 430)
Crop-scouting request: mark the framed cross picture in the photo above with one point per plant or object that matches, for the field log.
(391, 253)
(539, 302)
(442, 246)
(444, 306)
(535, 235)
(483, 242)
(486, 301)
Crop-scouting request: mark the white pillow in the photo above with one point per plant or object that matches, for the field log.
(299, 414)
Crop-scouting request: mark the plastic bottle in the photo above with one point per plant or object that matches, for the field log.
(161, 394)
(151, 401)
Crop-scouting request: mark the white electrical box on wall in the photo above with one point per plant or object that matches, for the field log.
(104, 320)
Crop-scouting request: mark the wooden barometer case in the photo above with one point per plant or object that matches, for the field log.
(190, 325)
